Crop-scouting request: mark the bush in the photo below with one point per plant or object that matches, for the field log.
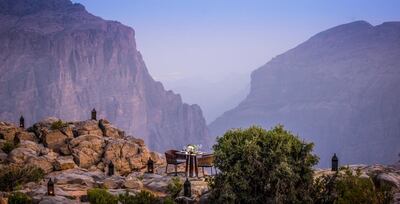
(8, 147)
(19, 198)
(14, 176)
(144, 197)
(174, 187)
(58, 125)
(259, 166)
(347, 187)
(168, 200)
(101, 196)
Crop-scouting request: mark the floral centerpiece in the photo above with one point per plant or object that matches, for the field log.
(192, 148)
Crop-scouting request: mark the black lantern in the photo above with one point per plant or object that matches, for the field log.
(335, 163)
(110, 169)
(150, 166)
(94, 114)
(187, 191)
(22, 122)
(50, 188)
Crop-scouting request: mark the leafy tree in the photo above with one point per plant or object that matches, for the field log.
(260, 166)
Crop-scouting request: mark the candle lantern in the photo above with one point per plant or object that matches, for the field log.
(50, 188)
(94, 114)
(22, 122)
(110, 169)
(187, 191)
(335, 163)
(150, 166)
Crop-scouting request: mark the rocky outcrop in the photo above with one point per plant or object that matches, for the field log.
(59, 60)
(87, 150)
(339, 89)
(60, 146)
(126, 155)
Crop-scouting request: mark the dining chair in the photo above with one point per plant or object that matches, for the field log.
(174, 159)
(206, 161)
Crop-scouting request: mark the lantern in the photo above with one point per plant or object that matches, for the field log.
(187, 191)
(22, 122)
(50, 188)
(110, 169)
(335, 163)
(150, 166)
(94, 114)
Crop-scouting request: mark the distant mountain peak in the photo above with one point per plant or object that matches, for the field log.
(28, 7)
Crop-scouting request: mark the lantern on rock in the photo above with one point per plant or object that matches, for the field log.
(50, 188)
(150, 166)
(187, 191)
(22, 122)
(110, 169)
(335, 163)
(94, 114)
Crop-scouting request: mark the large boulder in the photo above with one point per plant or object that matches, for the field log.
(23, 135)
(88, 127)
(126, 155)
(41, 162)
(64, 163)
(25, 150)
(56, 141)
(87, 150)
(8, 131)
(110, 130)
(133, 183)
(77, 176)
(57, 199)
(113, 182)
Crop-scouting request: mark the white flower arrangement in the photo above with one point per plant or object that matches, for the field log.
(192, 148)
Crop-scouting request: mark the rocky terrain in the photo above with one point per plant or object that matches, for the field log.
(339, 89)
(57, 60)
(75, 155)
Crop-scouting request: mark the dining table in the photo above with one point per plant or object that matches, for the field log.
(191, 162)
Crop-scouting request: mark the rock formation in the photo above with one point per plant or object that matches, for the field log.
(59, 60)
(338, 89)
(77, 157)
(54, 147)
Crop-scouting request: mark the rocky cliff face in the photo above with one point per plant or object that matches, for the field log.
(59, 60)
(338, 89)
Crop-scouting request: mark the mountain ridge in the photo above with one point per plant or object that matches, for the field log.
(59, 60)
(337, 82)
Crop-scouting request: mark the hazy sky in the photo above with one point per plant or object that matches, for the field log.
(193, 46)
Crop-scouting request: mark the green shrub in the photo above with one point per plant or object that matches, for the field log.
(101, 196)
(8, 147)
(58, 125)
(348, 187)
(259, 166)
(174, 187)
(14, 176)
(143, 197)
(19, 198)
(168, 200)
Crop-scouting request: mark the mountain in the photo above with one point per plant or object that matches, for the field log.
(59, 60)
(339, 89)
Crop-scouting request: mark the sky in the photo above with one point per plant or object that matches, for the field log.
(205, 50)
